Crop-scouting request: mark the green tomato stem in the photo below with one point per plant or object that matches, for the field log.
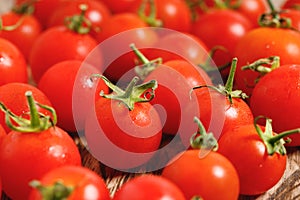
(203, 140)
(132, 94)
(57, 191)
(38, 122)
(151, 18)
(11, 27)
(274, 143)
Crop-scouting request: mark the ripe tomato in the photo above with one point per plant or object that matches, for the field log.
(25, 33)
(269, 99)
(42, 9)
(294, 4)
(59, 89)
(84, 184)
(294, 16)
(176, 78)
(118, 23)
(258, 169)
(43, 141)
(12, 96)
(209, 176)
(262, 43)
(97, 13)
(168, 12)
(118, 6)
(13, 67)
(144, 186)
(58, 44)
(123, 133)
(233, 25)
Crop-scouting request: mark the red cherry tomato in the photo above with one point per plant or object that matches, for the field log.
(86, 184)
(142, 187)
(97, 13)
(42, 9)
(169, 12)
(118, 23)
(294, 16)
(258, 171)
(59, 89)
(279, 102)
(13, 67)
(12, 95)
(263, 43)
(119, 6)
(126, 128)
(58, 44)
(233, 26)
(25, 33)
(209, 176)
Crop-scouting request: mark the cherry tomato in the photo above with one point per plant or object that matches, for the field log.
(262, 43)
(257, 169)
(24, 34)
(118, 23)
(13, 67)
(176, 78)
(294, 16)
(144, 186)
(209, 176)
(119, 6)
(168, 12)
(120, 129)
(42, 9)
(58, 44)
(97, 13)
(85, 183)
(271, 99)
(233, 26)
(12, 96)
(59, 89)
(294, 4)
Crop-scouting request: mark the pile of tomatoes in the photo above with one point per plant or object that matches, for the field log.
(197, 98)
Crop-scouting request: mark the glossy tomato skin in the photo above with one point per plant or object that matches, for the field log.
(142, 187)
(51, 148)
(118, 6)
(112, 125)
(97, 13)
(208, 175)
(169, 12)
(176, 78)
(13, 67)
(42, 9)
(59, 89)
(279, 102)
(118, 23)
(263, 43)
(12, 95)
(291, 4)
(57, 44)
(257, 170)
(88, 184)
(25, 34)
(233, 26)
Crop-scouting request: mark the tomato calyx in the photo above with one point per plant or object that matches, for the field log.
(274, 143)
(196, 198)
(56, 191)
(38, 122)
(79, 23)
(132, 94)
(227, 89)
(203, 140)
(151, 18)
(26, 7)
(147, 65)
(261, 66)
(273, 18)
(11, 27)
